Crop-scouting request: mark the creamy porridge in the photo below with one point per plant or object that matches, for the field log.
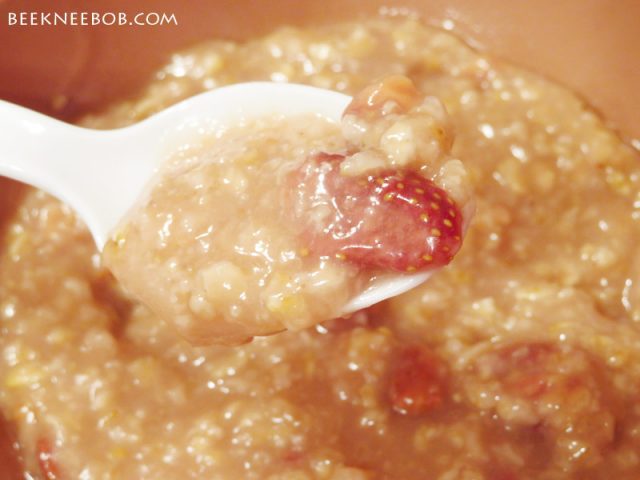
(519, 360)
(278, 223)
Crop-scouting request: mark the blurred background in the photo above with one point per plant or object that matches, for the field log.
(589, 45)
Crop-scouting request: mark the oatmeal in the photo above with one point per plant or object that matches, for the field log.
(278, 223)
(519, 360)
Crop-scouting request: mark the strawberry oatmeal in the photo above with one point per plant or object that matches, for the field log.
(278, 223)
(519, 360)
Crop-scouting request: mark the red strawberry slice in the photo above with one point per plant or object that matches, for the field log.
(392, 220)
(417, 382)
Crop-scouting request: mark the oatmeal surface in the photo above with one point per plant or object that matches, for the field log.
(520, 360)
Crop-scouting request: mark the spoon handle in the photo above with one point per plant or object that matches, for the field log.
(39, 150)
(66, 161)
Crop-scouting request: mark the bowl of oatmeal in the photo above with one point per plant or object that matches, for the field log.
(516, 361)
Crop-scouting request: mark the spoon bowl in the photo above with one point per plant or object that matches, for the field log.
(101, 174)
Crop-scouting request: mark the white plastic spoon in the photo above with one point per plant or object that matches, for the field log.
(101, 173)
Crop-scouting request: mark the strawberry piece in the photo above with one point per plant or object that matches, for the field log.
(48, 467)
(417, 382)
(369, 104)
(564, 397)
(392, 220)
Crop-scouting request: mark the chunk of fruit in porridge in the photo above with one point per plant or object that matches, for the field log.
(550, 391)
(417, 383)
(277, 223)
(393, 220)
(392, 121)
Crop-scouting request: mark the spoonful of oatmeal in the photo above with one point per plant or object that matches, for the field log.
(239, 212)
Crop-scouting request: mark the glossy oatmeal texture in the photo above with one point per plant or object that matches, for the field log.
(277, 223)
(518, 361)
